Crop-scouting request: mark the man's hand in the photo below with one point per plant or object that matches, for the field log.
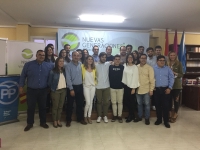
(21, 90)
(72, 93)
(133, 91)
(151, 93)
(167, 91)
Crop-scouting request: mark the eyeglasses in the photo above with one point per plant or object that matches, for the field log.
(96, 49)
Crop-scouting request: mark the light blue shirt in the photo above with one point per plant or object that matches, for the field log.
(96, 58)
(152, 61)
(73, 74)
(102, 75)
(164, 76)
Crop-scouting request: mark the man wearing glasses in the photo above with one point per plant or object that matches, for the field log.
(36, 72)
(164, 82)
(147, 84)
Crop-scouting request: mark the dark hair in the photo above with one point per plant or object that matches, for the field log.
(102, 54)
(108, 46)
(82, 53)
(137, 59)
(56, 69)
(39, 51)
(149, 48)
(66, 45)
(160, 56)
(140, 47)
(117, 56)
(85, 50)
(86, 63)
(129, 46)
(50, 44)
(67, 59)
(46, 54)
(94, 46)
(143, 55)
(121, 47)
(158, 46)
(127, 58)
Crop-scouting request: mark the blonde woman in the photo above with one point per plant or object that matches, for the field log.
(177, 69)
(89, 82)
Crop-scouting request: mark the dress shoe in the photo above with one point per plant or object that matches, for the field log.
(89, 120)
(147, 122)
(44, 125)
(83, 122)
(68, 124)
(129, 119)
(137, 119)
(28, 127)
(167, 125)
(157, 122)
(55, 126)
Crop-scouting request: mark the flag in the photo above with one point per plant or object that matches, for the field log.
(175, 48)
(182, 52)
(166, 43)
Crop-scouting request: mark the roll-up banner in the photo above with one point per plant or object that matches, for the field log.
(3, 57)
(9, 98)
(86, 39)
(18, 53)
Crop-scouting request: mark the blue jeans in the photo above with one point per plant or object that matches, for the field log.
(143, 99)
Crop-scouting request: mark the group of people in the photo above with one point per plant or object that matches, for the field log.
(130, 78)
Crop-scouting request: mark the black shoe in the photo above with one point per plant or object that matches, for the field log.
(137, 119)
(68, 124)
(83, 122)
(167, 125)
(129, 119)
(44, 125)
(28, 127)
(157, 122)
(147, 122)
(114, 118)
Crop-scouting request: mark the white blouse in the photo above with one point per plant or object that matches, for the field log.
(61, 82)
(131, 76)
(89, 79)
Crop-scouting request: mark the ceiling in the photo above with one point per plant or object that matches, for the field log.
(139, 14)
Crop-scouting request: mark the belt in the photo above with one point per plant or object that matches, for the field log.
(37, 89)
(162, 87)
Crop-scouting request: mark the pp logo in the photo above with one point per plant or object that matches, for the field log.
(8, 92)
(71, 39)
(27, 54)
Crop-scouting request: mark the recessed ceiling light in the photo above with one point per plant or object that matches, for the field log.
(102, 18)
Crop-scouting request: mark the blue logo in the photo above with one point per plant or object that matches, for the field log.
(9, 92)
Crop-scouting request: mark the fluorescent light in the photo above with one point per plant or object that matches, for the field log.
(102, 18)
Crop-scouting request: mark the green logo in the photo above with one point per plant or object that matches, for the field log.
(27, 53)
(71, 39)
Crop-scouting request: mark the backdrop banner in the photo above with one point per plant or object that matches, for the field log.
(18, 53)
(86, 39)
(3, 57)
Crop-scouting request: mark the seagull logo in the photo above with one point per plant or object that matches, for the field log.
(27, 53)
(71, 39)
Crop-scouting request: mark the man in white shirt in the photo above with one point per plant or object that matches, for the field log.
(102, 87)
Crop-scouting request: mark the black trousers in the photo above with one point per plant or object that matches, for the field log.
(162, 102)
(79, 98)
(130, 101)
(36, 96)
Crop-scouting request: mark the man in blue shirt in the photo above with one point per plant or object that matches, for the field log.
(36, 72)
(164, 82)
(75, 89)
